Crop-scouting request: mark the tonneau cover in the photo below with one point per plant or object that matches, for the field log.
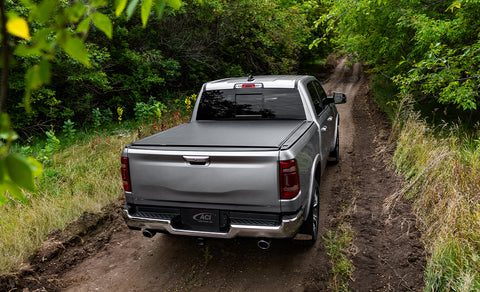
(237, 133)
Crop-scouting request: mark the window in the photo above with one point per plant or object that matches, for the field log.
(315, 97)
(251, 103)
(320, 91)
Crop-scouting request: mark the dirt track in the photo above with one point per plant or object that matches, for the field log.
(98, 253)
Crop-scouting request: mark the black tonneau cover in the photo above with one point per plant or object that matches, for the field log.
(237, 133)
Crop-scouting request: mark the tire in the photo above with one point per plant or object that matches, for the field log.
(334, 156)
(310, 226)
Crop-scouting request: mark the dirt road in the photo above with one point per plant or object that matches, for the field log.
(98, 253)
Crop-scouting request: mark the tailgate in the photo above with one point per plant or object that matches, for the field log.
(240, 180)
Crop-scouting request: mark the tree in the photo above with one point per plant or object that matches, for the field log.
(42, 29)
(428, 48)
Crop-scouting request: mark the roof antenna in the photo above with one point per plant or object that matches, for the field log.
(250, 78)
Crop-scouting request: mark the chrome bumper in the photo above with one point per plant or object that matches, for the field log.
(287, 229)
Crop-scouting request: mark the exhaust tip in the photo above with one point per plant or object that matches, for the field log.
(148, 233)
(263, 244)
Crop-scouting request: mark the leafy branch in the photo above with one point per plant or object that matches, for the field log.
(56, 25)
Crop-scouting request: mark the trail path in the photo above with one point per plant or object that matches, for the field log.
(386, 251)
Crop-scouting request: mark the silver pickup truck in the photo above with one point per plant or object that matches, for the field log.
(248, 164)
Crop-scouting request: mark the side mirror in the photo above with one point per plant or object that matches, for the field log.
(339, 98)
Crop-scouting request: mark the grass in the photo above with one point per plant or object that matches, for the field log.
(84, 177)
(443, 167)
(454, 266)
(338, 243)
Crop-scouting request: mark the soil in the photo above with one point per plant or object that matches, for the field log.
(99, 253)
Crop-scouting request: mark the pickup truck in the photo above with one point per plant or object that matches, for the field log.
(248, 164)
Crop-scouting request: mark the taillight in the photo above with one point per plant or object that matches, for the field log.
(125, 175)
(289, 180)
(249, 85)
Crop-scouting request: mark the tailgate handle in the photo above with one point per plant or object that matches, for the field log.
(197, 160)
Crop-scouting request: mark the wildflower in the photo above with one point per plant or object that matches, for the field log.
(120, 113)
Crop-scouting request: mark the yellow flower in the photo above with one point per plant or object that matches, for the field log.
(120, 113)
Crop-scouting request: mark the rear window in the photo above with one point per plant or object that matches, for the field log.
(265, 103)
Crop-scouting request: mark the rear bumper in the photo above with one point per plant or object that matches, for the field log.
(289, 226)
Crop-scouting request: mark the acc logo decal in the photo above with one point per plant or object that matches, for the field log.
(203, 217)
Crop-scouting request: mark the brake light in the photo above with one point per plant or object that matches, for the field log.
(125, 175)
(248, 85)
(289, 179)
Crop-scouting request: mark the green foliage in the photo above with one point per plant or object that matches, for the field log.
(60, 41)
(451, 75)
(96, 117)
(148, 112)
(270, 41)
(383, 90)
(52, 25)
(52, 146)
(453, 267)
(338, 244)
(101, 117)
(428, 48)
(16, 171)
(145, 72)
(69, 130)
(207, 255)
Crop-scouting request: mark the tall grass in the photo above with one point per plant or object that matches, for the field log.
(339, 245)
(83, 178)
(443, 167)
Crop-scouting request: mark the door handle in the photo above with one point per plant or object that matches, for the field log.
(197, 160)
(330, 118)
(323, 129)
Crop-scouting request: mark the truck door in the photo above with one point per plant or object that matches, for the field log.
(322, 114)
(331, 122)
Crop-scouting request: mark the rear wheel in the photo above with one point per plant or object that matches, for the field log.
(335, 154)
(311, 224)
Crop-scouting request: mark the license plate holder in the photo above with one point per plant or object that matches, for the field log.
(201, 219)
